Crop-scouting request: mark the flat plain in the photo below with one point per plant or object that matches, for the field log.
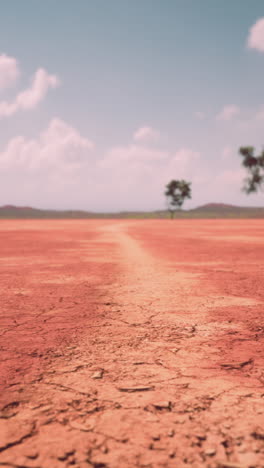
(132, 343)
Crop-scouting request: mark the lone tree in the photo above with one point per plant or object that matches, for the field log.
(255, 167)
(176, 192)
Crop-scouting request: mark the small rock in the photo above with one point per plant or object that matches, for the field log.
(47, 421)
(210, 452)
(81, 427)
(171, 433)
(257, 435)
(172, 454)
(98, 374)
(135, 389)
(70, 452)
(163, 405)
(230, 465)
(32, 455)
(45, 408)
(227, 426)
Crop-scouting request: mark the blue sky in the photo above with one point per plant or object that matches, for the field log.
(103, 102)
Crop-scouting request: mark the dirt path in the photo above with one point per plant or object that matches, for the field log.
(132, 344)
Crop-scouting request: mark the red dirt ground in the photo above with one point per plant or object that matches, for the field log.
(132, 344)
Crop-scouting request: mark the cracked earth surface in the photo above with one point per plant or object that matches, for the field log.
(132, 344)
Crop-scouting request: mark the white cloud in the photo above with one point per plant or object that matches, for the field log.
(136, 175)
(256, 36)
(132, 154)
(31, 97)
(124, 177)
(182, 165)
(230, 177)
(185, 155)
(60, 145)
(130, 166)
(228, 113)
(146, 134)
(9, 71)
(199, 115)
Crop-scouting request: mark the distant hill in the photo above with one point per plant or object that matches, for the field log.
(217, 207)
(222, 210)
(26, 212)
(210, 210)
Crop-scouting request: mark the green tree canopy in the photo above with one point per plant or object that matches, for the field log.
(255, 168)
(176, 193)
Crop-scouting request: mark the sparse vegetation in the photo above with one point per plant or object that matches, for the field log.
(176, 193)
(255, 167)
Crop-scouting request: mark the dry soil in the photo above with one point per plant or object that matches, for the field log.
(132, 344)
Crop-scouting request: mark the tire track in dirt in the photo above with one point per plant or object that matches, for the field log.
(149, 384)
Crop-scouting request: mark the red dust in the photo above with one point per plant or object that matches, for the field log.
(132, 343)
